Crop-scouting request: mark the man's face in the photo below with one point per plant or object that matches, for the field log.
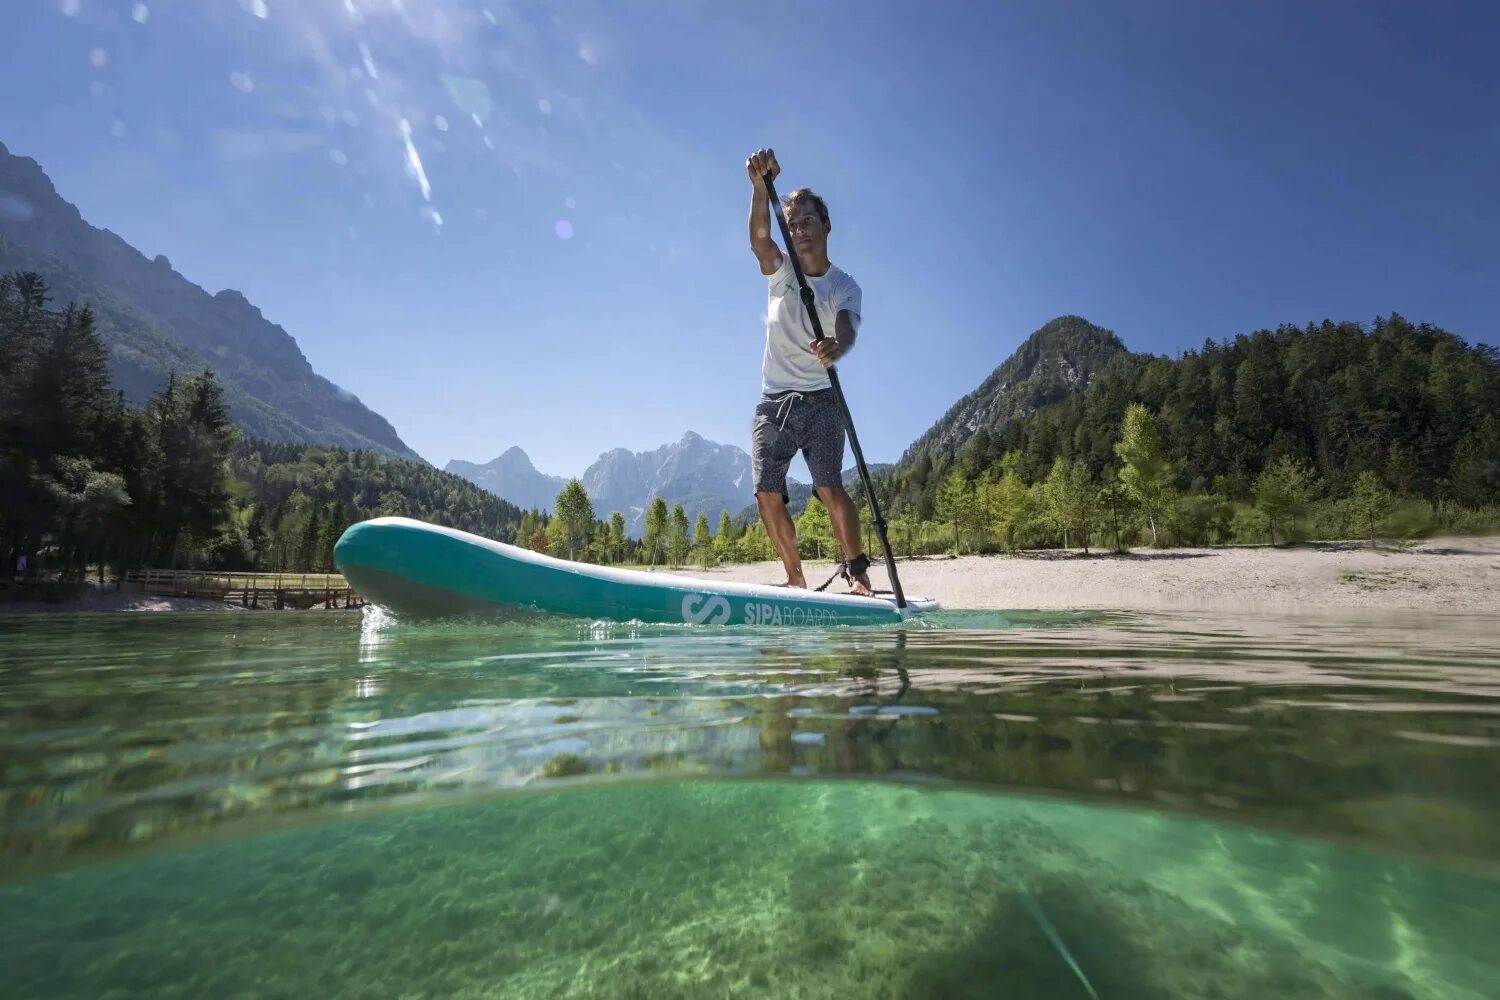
(809, 232)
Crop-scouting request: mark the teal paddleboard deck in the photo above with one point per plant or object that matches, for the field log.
(423, 570)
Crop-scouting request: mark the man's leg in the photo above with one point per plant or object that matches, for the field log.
(845, 518)
(771, 451)
(773, 514)
(823, 446)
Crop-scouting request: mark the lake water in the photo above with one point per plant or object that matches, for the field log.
(1048, 805)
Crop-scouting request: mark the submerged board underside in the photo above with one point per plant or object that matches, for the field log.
(424, 570)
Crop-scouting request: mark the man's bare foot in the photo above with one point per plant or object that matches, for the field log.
(862, 587)
(799, 581)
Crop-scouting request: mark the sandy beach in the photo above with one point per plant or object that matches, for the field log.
(1439, 575)
(1448, 575)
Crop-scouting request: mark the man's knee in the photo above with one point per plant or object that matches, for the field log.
(831, 494)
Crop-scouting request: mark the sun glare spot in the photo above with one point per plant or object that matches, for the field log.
(98, 57)
(414, 162)
(241, 82)
(563, 229)
(140, 13)
(364, 55)
(69, 8)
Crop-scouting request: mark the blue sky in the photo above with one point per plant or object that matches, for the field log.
(568, 269)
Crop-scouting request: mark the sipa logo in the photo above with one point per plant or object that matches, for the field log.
(705, 609)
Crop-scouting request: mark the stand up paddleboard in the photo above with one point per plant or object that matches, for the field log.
(423, 570)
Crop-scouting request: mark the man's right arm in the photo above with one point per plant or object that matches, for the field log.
(765, 249)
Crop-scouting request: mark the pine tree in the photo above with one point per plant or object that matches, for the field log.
(814, 530)
(725, 538)
(956, 504)
(1071, 499)
(655, 539)
(529, 523)
(1282, 491)
(1370, 503)
(677, 537)
(703, 542)
(576, 513)
(616, 536)
(1117, 508)
(309, 551)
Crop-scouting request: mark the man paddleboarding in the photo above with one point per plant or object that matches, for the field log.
(798, 409)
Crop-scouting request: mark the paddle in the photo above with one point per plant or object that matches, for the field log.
(838, 393)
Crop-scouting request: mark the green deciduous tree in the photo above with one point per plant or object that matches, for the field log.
(1145, 470)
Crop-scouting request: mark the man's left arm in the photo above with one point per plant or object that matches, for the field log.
(845, 328)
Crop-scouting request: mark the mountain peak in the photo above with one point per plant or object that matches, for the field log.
(1067, 334)
(512, 477)
(1057, 359)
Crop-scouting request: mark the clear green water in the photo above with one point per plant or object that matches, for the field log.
(1021, 805)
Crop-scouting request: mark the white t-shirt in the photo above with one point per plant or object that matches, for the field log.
(789, 364)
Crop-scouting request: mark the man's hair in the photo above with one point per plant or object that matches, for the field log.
(805, 195)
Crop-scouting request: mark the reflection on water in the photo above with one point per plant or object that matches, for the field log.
(389, 762)
(120, 731)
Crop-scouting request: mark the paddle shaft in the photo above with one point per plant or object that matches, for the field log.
(808, 301)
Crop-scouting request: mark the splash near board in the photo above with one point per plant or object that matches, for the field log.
(423, 570)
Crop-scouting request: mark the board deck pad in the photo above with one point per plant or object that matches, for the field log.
(425, 570)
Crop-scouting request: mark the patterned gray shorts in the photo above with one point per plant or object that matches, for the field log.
(789, 422)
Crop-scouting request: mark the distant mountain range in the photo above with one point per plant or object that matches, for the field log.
(702, 475)
(513, 477)
(155, 322)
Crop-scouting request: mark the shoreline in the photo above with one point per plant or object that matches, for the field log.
(1445, 574)
(109, 601)
(1449, 574)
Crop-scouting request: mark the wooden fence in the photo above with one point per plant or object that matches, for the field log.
(249, 590)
